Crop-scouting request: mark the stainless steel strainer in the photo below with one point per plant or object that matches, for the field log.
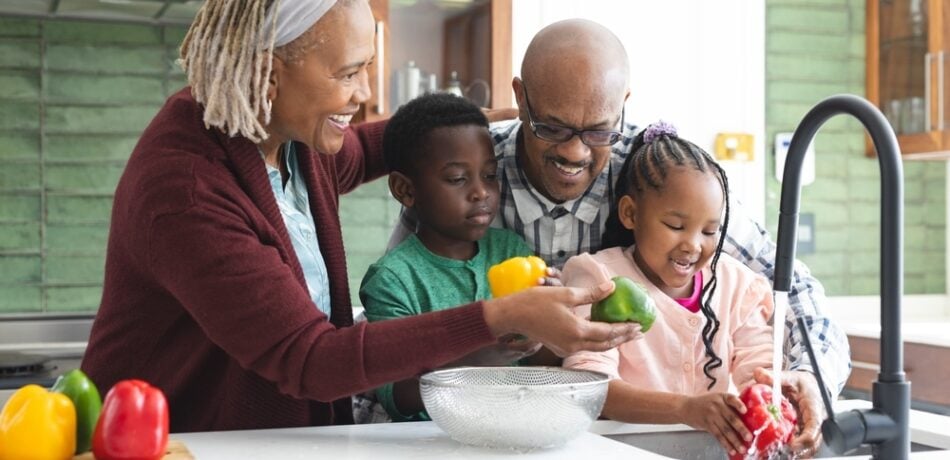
(515, 407)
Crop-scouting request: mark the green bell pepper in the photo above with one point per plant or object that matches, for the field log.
(628, 302)
(85, 396)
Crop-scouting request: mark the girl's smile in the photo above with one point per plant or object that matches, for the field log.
(676, 227)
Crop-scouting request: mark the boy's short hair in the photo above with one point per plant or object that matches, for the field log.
(404, 142)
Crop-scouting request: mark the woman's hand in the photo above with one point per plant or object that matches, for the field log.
(544, 314)
(718, 414)
(801, 389)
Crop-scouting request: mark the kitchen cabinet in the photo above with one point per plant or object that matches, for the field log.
(926, 363)
(907, 72)
(471, 39)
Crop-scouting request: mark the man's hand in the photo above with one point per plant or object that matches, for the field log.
(801, 388)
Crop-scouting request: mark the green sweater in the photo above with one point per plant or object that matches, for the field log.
(411, 280)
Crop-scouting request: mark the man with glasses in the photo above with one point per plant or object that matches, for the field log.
(558, 164)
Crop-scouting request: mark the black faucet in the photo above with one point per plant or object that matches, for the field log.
(886, 425)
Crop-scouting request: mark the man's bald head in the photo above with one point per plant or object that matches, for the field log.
(574, 76)
(576, 54)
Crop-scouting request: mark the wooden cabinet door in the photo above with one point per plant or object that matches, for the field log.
(376, 108)
(906, 58)
(477, 46)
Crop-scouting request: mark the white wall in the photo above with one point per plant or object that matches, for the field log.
(699, 64)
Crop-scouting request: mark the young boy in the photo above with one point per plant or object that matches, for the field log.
(442, 165)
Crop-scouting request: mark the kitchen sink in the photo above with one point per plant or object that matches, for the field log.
(699, 445)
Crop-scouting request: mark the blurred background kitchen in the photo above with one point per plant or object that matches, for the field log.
(79, 80)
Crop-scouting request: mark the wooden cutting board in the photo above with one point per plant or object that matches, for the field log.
(176, 450)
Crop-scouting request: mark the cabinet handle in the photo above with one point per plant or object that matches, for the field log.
(928, 58)
(380, 66)
(941, 102)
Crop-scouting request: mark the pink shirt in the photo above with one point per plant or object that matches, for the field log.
(693, 302)
(670, 357)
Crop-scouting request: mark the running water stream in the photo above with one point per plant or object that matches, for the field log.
(778, 339)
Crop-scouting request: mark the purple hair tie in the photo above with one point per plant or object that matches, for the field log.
(655, 130)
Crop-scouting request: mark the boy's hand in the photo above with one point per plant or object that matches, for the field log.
(718, 414)
(552, 277)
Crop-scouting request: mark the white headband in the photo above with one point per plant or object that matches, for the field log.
(294, 17)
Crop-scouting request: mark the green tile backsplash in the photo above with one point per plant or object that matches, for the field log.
(816, 49)
(74, 97)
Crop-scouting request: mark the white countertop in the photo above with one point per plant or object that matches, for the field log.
(414, 440)
(422, 440)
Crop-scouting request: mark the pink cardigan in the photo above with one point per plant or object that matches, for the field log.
(671, 355)
(204, 296)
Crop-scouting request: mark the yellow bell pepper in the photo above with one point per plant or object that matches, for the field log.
(36, 424)
(515, 274)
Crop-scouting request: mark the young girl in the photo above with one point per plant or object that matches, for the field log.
(712, 324)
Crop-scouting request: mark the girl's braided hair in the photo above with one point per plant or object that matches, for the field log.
(654, 151)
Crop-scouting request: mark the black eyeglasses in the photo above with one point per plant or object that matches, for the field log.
(558, 134)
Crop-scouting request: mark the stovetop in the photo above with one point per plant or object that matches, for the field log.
(54, 344)
(18, 368)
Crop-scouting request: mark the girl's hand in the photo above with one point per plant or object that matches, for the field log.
(543, 314)
(718, 414)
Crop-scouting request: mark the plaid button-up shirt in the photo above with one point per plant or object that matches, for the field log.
(558, 231)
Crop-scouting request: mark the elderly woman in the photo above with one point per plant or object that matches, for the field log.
(225, 280)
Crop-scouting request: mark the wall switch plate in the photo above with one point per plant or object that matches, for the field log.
(782, 141)
(735, 147)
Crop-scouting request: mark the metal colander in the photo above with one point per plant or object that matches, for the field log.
(515, 407)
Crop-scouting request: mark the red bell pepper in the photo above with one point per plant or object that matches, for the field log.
(133, 424)
(771, 427)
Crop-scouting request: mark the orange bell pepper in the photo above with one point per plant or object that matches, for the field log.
(515, 274)
(37, 425)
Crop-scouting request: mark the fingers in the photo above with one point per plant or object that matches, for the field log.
(581, 296)
(735, 403)
(735, 424)
(761, 375)
(728, 437)
(810, 437)
(736, 429)
(604, 336)
(551, 281)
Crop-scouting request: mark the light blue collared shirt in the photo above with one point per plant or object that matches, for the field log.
(294, 203)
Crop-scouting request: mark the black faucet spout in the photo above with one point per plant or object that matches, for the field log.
(886, 426)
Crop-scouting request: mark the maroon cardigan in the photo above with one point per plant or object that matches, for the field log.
(205, 299)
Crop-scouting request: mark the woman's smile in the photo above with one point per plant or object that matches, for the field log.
(340, 121)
